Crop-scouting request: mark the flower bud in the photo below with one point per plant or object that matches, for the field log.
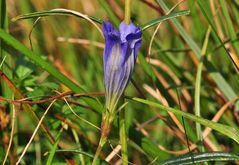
(120, 53)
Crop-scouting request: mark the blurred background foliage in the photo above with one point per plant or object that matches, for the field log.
(166, 75)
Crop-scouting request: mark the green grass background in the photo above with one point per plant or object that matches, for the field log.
(193, 67)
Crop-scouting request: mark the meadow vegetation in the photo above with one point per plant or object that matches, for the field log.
(181, 105)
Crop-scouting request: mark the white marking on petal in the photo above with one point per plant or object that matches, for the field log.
(113, 66)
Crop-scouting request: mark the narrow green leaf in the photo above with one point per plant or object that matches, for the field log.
(193, 158)
(229, 24)
(164, 18)
(36, 58)
(217, 36)
(76, 151)
(217, 77)
(51, 13)
(11, 41)
(231, 132)
(6, 91)
(197, 97)
(152, 150)
(2, 14)
(53, 149)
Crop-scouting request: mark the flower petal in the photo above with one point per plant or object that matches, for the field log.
(119, 59)
(112, 36)
(125, 30)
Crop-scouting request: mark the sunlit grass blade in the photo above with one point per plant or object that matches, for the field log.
(234, 59)
(229, 24)
(164, 18)
(54, 148)
(36, 58)
(62, 12)
(11, 41)
(193, 158)
(197, 94)
(217, 77)
(6, 64)
(6, 92)
(230, 132)
(53, 12)
(76, 151)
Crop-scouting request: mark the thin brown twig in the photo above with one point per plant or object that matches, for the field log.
(112, 154)
(223, 97)
(154, 110)
(79, 116)
(142, 125)
(27, 100)
(193, 146)
(206, 131)
(26, 107)
(156, 30)
(35, 131)
(50, 98)
(12, 133)
(174, 129)
(116, 153)
(157, 75)
(81, 41)
(73, 126)
(177, 81)
(141, 129)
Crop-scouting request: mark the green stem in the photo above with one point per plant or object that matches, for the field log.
(6, 91)
(127, 11)
(99, 148)
(105, 130)
(229, 24)
(197, 92)
(123, 137)
(197, 107)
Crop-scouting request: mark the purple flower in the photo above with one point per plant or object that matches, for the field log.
(121, 48)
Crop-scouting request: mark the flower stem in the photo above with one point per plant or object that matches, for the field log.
(99, 148)
(123, 138)
(127, 11)
(123, 135)
(105, 130)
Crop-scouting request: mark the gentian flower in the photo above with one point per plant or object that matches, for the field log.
(120, 53)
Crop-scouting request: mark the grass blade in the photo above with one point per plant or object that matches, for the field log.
(229, 23)
(6, 91)
(12, 42)
(75, 151)
(217, 77)
(164, 18)
(231, 132)
(62, 12)
(54, 148)
(193, 158)
(197, 91)
(53, 12)
(234, 59)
